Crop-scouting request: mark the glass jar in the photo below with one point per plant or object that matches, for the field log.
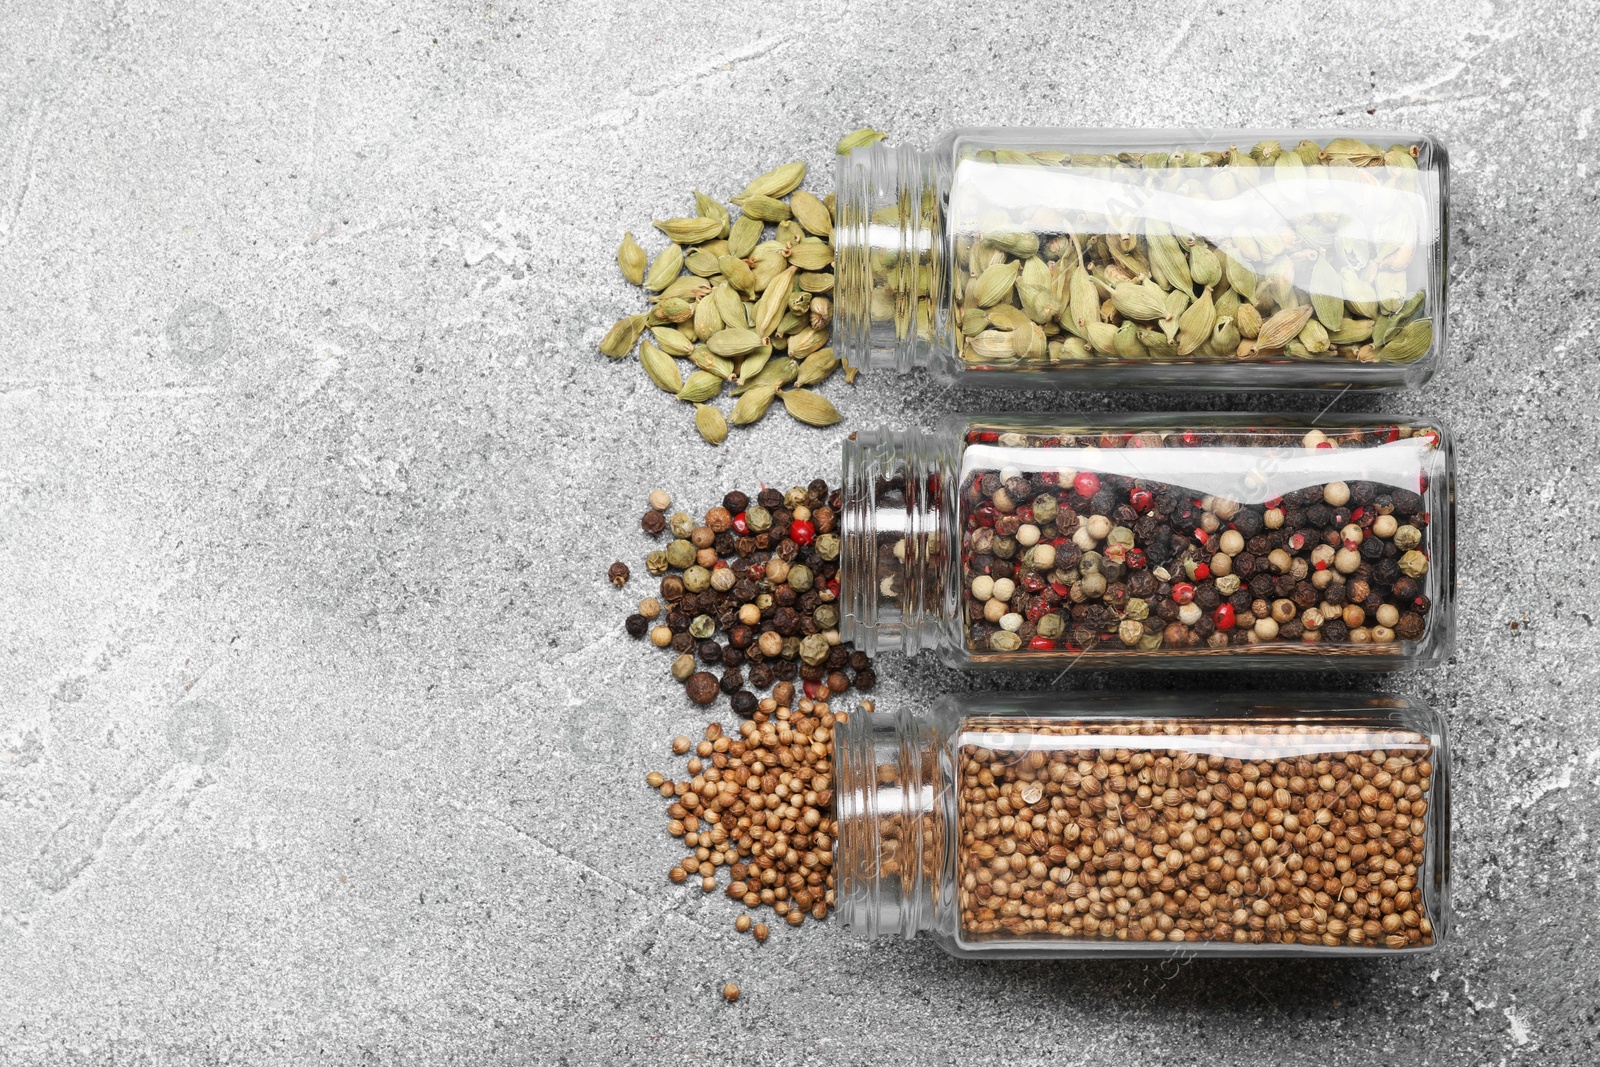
(1059, 541)
(1083, 259)
(1107, 824)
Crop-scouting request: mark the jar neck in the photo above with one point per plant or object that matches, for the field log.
(890, 796)
(894, 559)
(887, 265)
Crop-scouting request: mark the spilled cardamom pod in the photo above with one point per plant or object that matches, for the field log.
(814, 409)
(858, 139)
(631, 259)
(712, 426)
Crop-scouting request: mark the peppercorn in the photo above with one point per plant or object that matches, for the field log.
(702, 687)
(744, 702)
(732, 680)
(636, 625)
(866, 679)
(653, 522)
(730, 992)
(682, 642)
(618, 574)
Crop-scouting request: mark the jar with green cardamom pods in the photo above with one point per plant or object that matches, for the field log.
(1089, 259)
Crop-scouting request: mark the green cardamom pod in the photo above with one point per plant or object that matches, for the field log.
(974, 321)
(691, 231)
(817, 367)
(1309, 153)
(779, 181)
(1103, 337)
(1266, 151)
(1353, 150)
(620, 339)
(674, 309)
(709, 361)
(991, 346)
(661, 368)
(733, 341)
(1143, 301)
(1352, 332)
(773, 303)
(1248, 320)
(811, 255)
(993, 285)
(1327, 294)
(1283, 327)
(811, 213)
(1038, 302)
(1194, 325)
(1019, 243)
(1413, 340)
(672, 341)
(1157, 343)
(701, 263)
(1127, 344)
(712, 426)
(631, 259)
(1167, 258)
(1177, 304)
(1224, 339)
(743, 236)
(814, 409)
(858, 139)
(707, 319)
(1240, 277)
(1083, 303)
(711, 208)
(778, 372)
(752, 405)
(814, 282)
(765, 208)
(700, 386)
(1314, 336)
(1205, 266)
(665, 268)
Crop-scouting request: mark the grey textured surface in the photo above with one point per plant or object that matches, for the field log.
(318, 735)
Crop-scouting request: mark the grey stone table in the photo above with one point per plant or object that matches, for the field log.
(318, 734)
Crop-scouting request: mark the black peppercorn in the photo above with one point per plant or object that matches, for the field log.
(636, 625)
(1410, 626)
(769, 499)
(745, 702)
(683, 642)
(810, 673)
(653, 522)
(732, 657)
(838, 681)
(761, 676)
(618, 574)
(866, 678)
(735, 502)
(1335, 632)
(731, 681)
(671, 587)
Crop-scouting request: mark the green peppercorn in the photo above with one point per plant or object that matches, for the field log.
(827, 546)
(723, 579)
(794, 498)
(1136, 609)
(702, 627)
(826, 616)
(1413, 564)
(1005, 547)
(1045, 509)
(758, 518)
(656, 563)
(680, 554)
(791, 648)
(697, 579)
(1004, 641)
(814, 649)
(800, 578)
(681, 525)
(682, 667)
(1051, 625)
(1407, 537)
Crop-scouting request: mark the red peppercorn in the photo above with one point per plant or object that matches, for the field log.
(813, 690)
(1324, 444)
(1024, 514)
(1394, 435)
(985, 514)
(1322, 564)
(1135, 559)
(1223, 616)
(1141, 499)
(989, 437)
(801, 532)
(741, 525)
(1061, 588)
(1042, 644)
(1182, 593)
(1087, 483)
(1202, 571)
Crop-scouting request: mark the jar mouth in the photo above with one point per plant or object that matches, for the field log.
(885, 238)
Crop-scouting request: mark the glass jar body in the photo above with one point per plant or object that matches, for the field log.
(1127, 259)
(1174, 824)
(1058, 541)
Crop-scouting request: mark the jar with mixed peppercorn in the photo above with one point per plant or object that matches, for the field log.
(1104, 824)
(1152, 540)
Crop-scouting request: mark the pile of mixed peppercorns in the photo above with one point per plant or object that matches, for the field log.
(751, 591)
(1078, 561)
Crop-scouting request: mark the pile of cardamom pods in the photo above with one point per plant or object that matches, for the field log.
(745, 300)
(1053, 287)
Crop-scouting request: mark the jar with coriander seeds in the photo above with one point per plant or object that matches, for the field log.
(1202, 540)
(1136, 824)
(1093, 259)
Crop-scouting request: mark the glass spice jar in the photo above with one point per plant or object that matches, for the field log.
(1205, 540)
(1107, 824)
(1130, 259)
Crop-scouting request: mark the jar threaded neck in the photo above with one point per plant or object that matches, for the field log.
(887, 264)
